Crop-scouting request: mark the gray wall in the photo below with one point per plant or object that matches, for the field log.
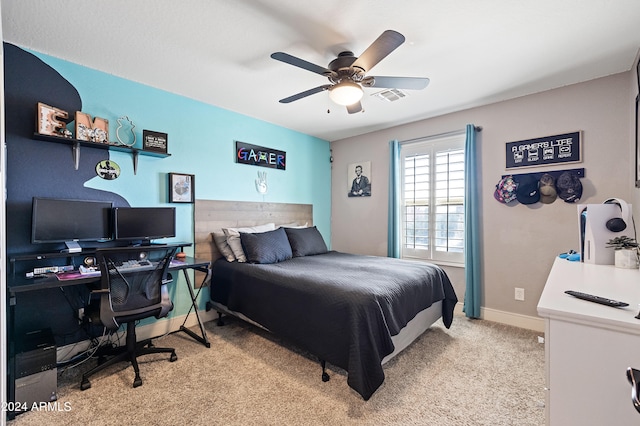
(519, 242)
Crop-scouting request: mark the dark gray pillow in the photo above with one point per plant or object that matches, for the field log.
(266, 247)
(305, 241)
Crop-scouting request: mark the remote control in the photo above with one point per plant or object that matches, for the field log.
(596, 299)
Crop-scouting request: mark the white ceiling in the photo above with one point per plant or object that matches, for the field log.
(217, 51)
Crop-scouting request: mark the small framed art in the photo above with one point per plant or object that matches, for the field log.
(181, 188)
(155, 141)
(358, 182)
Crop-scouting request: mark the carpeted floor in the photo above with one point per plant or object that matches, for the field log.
(476, 373)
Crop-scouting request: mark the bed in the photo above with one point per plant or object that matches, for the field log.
(352, 311)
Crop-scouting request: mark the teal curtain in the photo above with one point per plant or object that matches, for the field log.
(393, 228)
(472, 261)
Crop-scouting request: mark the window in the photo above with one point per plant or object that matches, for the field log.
(433, 199)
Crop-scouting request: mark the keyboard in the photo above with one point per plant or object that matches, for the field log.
(134, 264)
(88, 272)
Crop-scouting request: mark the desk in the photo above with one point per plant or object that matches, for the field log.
(20, 284)
(198, 265)
(588, 346)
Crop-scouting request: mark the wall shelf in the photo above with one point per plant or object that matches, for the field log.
(76, 144)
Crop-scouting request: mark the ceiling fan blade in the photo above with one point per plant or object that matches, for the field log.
(305, 94)
(353, 108)
(379, 49)
(410, 83)
(301, 63)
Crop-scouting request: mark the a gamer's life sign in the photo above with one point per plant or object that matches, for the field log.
(260, 156)
(542, 151)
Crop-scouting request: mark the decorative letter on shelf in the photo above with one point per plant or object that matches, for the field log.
(92, 131)
(49, 121)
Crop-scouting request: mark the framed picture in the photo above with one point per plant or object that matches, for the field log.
(155, 141)
(181, 188)
(358, 181)
(556, 149)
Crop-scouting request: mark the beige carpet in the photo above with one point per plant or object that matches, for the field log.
(476, 373)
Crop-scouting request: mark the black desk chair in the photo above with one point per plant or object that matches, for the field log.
(128, 294)
(633, 376)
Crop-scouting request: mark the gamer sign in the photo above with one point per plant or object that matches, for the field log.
(260, 156)
(563, 148)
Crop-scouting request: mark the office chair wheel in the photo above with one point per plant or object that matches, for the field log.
(173, 357)
(86, 384)
(137, 381)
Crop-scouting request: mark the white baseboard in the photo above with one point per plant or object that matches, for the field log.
(508, 318)
(165, 326)
(148, 331)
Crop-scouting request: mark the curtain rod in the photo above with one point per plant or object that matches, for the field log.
(439, 135)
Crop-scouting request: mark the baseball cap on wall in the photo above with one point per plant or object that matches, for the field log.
(527, 192)
(506, 190)
(547, 188)
(569, 187)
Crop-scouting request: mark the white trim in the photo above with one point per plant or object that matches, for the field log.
(431, 137)
(508, 318)
(155, 329)
(429, 150)
(161, 327)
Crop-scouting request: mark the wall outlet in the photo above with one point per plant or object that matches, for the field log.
(519, 293)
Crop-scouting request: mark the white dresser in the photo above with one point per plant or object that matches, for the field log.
(588, 346)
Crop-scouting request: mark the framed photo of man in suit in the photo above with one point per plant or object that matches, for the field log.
(359, 179)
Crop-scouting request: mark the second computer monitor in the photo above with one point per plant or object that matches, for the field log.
(143, 224)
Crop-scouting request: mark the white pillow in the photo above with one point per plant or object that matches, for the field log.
(233, 238)
(220, 240)
(295, 225)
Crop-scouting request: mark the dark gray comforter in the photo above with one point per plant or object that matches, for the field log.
(341, 307)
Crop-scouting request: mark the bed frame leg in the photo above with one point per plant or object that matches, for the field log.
(220, 322)
(325, 375)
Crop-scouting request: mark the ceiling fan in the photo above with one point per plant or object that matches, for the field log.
(347, 73)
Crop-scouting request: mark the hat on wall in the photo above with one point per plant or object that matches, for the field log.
(569, 187)
(506, 190)
(527, 192)
(547, 188)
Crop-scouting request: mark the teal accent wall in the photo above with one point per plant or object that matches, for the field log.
(201, 142)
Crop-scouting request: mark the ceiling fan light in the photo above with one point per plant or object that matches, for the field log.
(346, 93)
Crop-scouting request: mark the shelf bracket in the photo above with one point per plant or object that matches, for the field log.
(76, 155)
(135, 162)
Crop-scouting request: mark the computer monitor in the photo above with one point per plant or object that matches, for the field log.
(144, 223)
(56, 220)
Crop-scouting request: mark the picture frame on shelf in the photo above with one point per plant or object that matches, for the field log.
(155, 141)
(181, 188)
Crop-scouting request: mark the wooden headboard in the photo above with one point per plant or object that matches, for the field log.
(213, 215)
